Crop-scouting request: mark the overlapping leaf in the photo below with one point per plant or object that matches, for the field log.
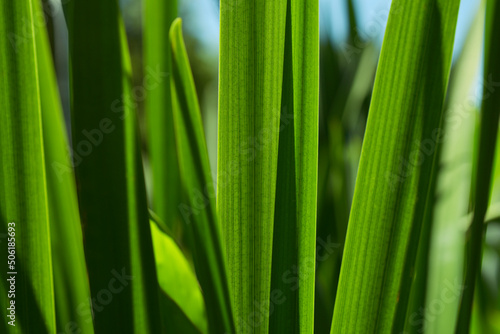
(199, 209)
(291, 307)
(24, 225)
(111, 190)
(488, 132)
(181, 292)
(451, 213)
(71, 285)
(158, 16)
(396, 177)
(252, 35)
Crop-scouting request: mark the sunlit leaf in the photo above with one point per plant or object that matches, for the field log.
(199, 211)
(26, 276)
(158, 16)
(394, 186)
(71, 284)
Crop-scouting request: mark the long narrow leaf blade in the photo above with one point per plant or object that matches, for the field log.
(252, 35)
(305, 52)
(453, 189)
(110, 180)
(145, 289)
(71, 285)
(294, 243)
(488, 131)
(199, 212)
(27, 285)
(26, 278)
(395, 178)
(159, 15)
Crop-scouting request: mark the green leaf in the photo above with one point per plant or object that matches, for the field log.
(284, 301)
(488, 131)
(23, 189)
(294, 244)
(353, 24)
(158, 18)
(178, 283)
(71, 285)
(394, 188)
(451, 212)
(305, 52)
(145, 291)
(250, 78)
(111, 190)
(199, 211)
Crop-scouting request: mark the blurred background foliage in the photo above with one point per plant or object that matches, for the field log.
(351, 36)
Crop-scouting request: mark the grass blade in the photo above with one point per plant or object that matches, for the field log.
(145, 290)
(445, 266)
(252, 38)
(110, 180)
(305, 52)
(199, 213)
(388, 211)
(23, 192)
(159, 15)
(487, 138)
(294, 244)
(71, 285)
(285, 316)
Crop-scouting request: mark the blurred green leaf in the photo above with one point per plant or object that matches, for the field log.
(451, 209)
(111, 191)
(488, 132)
